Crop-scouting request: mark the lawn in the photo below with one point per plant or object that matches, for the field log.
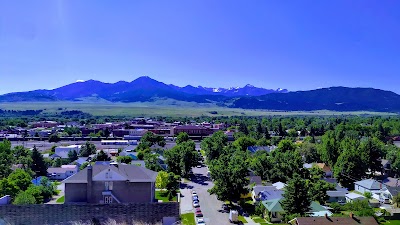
(163, 195)
(61, 199)
(188, 219)
(242, 219)
(258, 220)
(392, 222)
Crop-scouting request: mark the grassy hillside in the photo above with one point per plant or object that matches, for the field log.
(160, 108)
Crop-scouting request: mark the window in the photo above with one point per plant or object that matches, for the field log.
(108, 185)
(108, 199)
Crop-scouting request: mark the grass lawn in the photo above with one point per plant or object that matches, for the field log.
(392, 222)
(203, 153)
(188, 219)
(258, 220)
(242, 219)
(61, 199)
(163, 195)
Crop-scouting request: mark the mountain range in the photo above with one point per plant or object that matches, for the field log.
(248, 97)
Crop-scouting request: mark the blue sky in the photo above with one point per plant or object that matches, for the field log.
(298, 45)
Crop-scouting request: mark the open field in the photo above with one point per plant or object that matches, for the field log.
(163, 108)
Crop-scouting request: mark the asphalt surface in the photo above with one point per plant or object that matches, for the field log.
(209, 204)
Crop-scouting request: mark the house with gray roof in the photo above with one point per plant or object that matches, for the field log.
(368, 185)
(114, 183)
(255, 193)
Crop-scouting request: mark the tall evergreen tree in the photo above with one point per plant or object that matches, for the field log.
(297, 199)
(38, 165)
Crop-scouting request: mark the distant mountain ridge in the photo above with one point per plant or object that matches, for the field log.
(248, 97)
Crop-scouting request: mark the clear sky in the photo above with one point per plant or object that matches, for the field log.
(298, 45)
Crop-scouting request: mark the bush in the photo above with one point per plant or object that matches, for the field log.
(336, 207)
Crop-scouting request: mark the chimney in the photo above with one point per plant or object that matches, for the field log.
(326, 215)
(89, 184)
(352, 215)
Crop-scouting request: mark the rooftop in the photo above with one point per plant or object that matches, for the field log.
(370, 184)
(336, 220)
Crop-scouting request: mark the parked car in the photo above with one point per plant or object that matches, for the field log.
(199, 214)
(198, 209)
(196, 204)
(195, 198)
(200, 221)
(194, 193)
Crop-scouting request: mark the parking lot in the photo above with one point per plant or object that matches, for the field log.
(209, 204)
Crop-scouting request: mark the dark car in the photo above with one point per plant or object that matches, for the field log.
(199, 214)
(198, 210)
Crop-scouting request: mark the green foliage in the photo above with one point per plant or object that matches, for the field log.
(261, 164)
(149, 139)
(360, 208)
(214, 145)
(172, 185)
(6, 158)
(318, 189)
(285, 165)
(263, 142)
(243, 143)
(124, 159)
(140, 155)
(84, 165)
(286, 145)
(102, 156)
(259, 209)
(162, 180)
(182, 158)
(72, 155)
(151, 161)
(36, 192)
(24, 198)
(22, 156)
(336, 207)
(54, 138)
(297, 199)
(39, 166)
(309, 152)
(87, 149)
(182, 137)
(368, 195)
(229, 173)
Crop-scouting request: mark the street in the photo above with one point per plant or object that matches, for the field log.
(210, 206)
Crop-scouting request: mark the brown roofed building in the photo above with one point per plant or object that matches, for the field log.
(351, 220)
(193, 130)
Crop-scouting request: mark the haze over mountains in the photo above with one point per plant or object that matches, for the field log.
(247, 97)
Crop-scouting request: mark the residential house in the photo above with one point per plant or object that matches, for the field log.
(63, 172)
(270, 195)
(254, 149)
(387, 194)
(325, 168)
(327, 220)
(62, 151)
(107, 184)
(337, 196)
(275, 211)
(82, 160)
(279, 185)
(391, 182)
(5, 200)
(350, 197)
(368, 185)
(254, 180)
(255, 193)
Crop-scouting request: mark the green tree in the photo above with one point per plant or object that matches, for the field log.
(182, 137)
(54, 138)
(36, 192)
(243, 128)
(172, 185)
(286, 145)
(373, 147)
(162, 180)
(87, 149)
(229, 173)
(329, 148)
(102, 156)
(309, 152)
(182, 158)
(38, 166)
(243, 143)
(261, 164)
(24, 198)
(318, 189)
(6, 158)
(20, 179)
(214, 145)
(297, 199)
(263, 142)
(151, 161)
(84, 165)
(22, 156)
(72, 155)
(124, 159)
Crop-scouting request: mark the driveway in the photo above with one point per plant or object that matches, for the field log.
(209, 204)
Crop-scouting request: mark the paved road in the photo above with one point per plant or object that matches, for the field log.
(210, 206)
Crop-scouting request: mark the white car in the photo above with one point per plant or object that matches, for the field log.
(194, 193)
(200, 221)
(196, 204)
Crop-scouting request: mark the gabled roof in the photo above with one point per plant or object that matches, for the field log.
(132, 173)
(336, 193)
(255, 180)
(354, 196)
(324, 167)
(279, 185)
(257, 189)
(271, 195)
(336, 221)
(370, 184)
(273, 205)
